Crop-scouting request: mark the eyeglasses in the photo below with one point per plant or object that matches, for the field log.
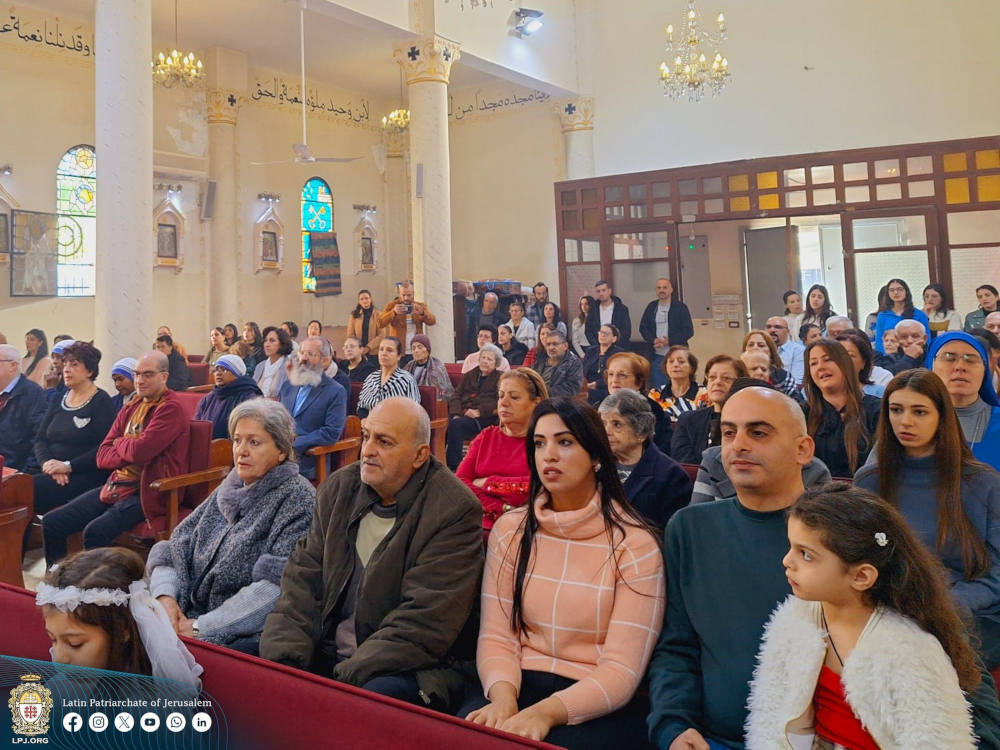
(951, 358)
(148, 374)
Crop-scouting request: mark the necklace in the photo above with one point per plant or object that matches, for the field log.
(66, 400)
(829, 637)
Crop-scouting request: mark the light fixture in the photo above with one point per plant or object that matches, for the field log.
(398, 119)
(269, 198)
(170, 68)
(7, 169)
(687, 71)
(525, 22)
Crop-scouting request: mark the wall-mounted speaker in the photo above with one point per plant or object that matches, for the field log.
(208, 200)
(419, 189)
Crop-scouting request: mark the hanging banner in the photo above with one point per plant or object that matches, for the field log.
(325, 262)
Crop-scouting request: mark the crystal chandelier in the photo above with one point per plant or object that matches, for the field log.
(170, 68)
(687, 70)
(398, 119)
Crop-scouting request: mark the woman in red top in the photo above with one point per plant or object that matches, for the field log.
(496, 466)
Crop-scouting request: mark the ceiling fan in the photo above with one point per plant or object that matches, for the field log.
(302, 153)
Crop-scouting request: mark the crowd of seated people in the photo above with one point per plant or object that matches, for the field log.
(377, 577)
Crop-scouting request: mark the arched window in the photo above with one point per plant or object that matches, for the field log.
(317, 216)
(76, 204)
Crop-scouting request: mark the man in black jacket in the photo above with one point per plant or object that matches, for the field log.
(22, 406)
(381, 592)
(609, 309)
(179, 377)
(666, 322)
(912, 348)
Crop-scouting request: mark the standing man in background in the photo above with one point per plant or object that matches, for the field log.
(405, 317)
(666, 322)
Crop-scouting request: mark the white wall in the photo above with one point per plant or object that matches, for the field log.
(881, 73)
(547, 57)
(502, 169)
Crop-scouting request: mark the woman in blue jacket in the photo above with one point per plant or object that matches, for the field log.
(900, 308)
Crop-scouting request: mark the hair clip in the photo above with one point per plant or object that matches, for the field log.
(881, 539)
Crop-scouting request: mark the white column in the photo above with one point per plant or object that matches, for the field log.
(576, 116)
(427, 64)
(224, 270)
(123, 305)
(397, 202)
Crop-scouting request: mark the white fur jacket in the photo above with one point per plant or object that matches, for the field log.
(898, 680)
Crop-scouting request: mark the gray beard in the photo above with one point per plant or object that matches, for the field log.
(305, 376)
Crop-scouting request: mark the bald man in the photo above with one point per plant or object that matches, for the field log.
(149, 440)
(724, 561)
(382, 587)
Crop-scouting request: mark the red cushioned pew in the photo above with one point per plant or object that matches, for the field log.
(268, 705)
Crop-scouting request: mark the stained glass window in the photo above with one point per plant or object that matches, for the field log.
(317, 216)
(76, 204)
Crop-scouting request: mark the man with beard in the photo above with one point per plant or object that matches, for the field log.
(317, 404)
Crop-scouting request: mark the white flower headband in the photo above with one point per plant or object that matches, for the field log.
(881, 539)
(69, 598)
(168, 656)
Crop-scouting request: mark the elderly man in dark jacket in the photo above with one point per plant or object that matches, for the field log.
(380, 593)
(561, 370)
(22, 406)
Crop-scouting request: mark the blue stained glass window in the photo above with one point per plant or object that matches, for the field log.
(76, 204)
(317, 216)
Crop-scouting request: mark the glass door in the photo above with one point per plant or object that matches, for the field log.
(883, 245)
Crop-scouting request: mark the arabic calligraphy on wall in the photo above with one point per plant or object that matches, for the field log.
(464, 104)
(49, 32)
(274, 89)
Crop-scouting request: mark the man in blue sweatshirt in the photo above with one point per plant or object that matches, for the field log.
(725, 573)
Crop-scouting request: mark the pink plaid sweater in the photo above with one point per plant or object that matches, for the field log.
(585, 622)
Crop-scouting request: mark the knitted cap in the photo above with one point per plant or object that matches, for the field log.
(421, 339)
(232, 363)
(125, 367)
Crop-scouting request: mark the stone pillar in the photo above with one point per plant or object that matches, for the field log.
(223, 268)
(427, 64)
(397, 204)
(123, 305)
(576, 116)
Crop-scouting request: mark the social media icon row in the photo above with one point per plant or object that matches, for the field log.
(125, 722)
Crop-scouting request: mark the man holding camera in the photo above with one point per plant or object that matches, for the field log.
(405, 317)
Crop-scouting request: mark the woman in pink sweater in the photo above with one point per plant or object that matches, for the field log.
(573, 595)
(496, 466)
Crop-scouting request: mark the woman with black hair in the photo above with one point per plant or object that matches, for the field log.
(578, 339)
(937, 308)
(900, 308)
(989, 298)
(255, 340)
(551, 314)
(579, 561)
(363, 323)
(595, 362)
(871, 377)
(36, 362)
(818, 308)
(809, 332)
(230, 334)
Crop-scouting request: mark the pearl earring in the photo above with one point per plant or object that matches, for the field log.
(597, 467)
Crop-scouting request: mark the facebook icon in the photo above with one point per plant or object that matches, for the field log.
(72, 722)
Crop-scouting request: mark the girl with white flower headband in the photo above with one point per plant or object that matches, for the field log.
(99, 613)
(869, 651)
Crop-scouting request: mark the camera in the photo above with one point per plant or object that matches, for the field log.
(409, 308)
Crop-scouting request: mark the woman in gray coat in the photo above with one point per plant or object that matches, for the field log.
(219, 574)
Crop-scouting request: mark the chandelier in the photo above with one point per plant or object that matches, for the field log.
(398, 119)
(687, 71)
(170, 68)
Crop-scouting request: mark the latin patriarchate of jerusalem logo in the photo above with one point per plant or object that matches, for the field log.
(30, 706)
